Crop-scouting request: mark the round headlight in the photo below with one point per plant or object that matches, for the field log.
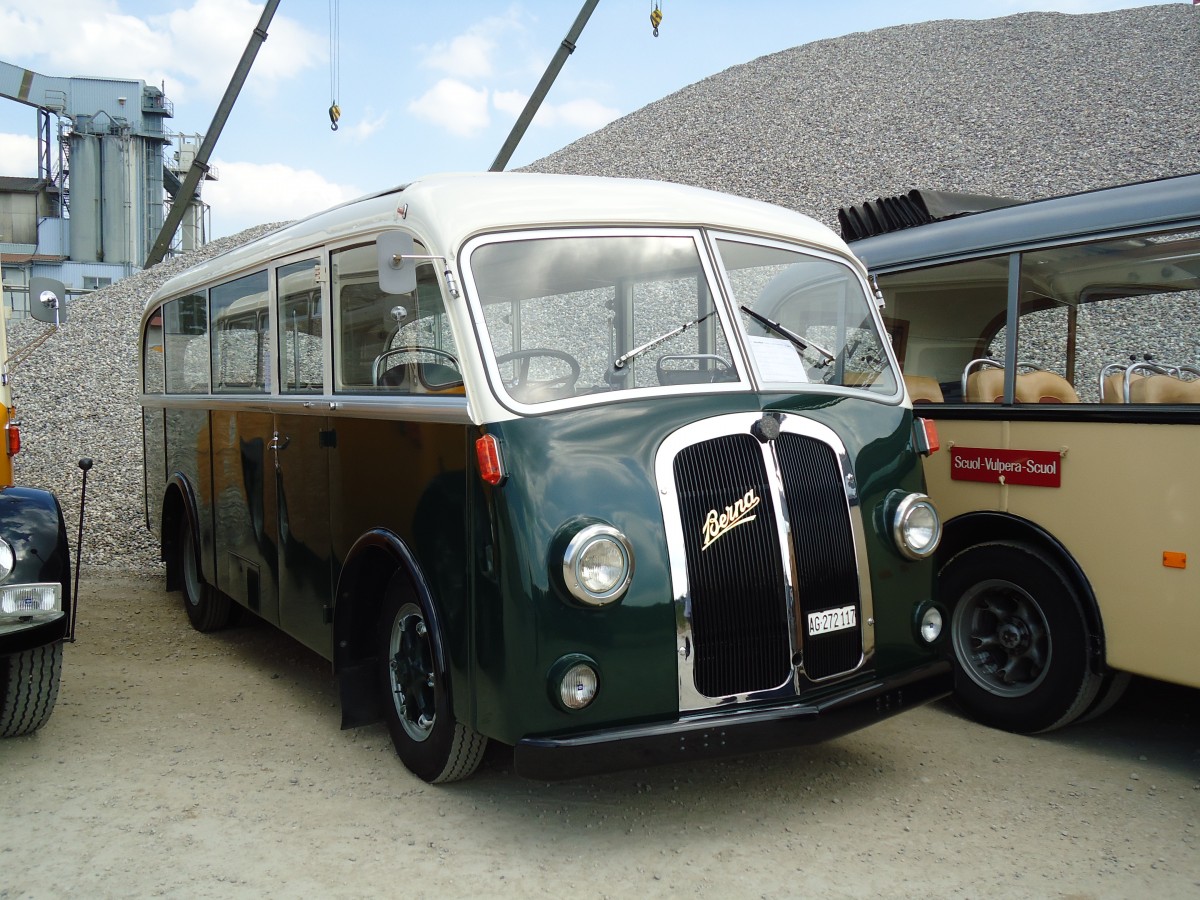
(8, 559)
(597, 565)
(578, 686)
(917, 528)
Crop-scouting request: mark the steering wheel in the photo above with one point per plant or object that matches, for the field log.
(378, 370)
(521, 370)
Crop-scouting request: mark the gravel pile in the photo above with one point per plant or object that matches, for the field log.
(1025, 106)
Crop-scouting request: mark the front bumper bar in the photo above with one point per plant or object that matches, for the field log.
(723, 733)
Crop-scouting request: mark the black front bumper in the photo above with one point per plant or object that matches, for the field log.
(723, 733)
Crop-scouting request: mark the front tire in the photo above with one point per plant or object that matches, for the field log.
(207, 608)
(430, 742)
(29, 688)
(1019, 638)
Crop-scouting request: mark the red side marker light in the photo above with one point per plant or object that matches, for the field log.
(491, 467)
(12, 438)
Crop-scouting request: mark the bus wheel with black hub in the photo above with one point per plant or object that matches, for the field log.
(207, 608)
(430, 742)
(1019, 639)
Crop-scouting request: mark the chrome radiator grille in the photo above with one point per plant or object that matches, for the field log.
(747, 601)
(739, 613)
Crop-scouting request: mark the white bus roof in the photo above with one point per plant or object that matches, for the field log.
(445, 210)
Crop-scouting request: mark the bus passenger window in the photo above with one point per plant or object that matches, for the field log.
(300, 347)
(185, 345)
(393, 343)
(950, 316)
(239, 336)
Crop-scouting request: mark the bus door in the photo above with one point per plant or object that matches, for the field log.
(301, 444)
(244, 500)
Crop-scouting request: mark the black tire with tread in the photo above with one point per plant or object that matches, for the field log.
(445, 749)
(29, 688)
(1019, 638)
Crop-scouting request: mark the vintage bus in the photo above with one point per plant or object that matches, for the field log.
(612, 472)
(1057, 346)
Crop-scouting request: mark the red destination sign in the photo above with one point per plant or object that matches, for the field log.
(1042, 468)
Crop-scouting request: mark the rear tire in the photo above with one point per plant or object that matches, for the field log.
(207, 608)
(430, 742)
(29, 688)
(1019, 639)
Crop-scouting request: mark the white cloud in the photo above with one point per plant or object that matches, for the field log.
(361, 129)
(18, 155)
(193, 50)
(456, 106)
(470, 54)
(581, 114)
(249, 194)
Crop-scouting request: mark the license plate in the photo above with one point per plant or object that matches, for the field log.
(828, 620)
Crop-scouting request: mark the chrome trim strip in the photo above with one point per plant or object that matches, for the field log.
(689, 698)
(454, 410)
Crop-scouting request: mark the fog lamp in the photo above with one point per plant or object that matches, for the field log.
(931, 624)
(578, 686)
(8, 559)
(31, 601)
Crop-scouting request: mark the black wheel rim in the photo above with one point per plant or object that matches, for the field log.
(410, 672)
(1001, 638)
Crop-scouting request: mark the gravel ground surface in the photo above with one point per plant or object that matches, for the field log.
(1025, 106)
(185, 765)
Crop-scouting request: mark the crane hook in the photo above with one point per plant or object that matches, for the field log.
(656, 17)
(335, 113)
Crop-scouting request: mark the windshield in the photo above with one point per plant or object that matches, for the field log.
(807, 319)
(573, 316)
(569, 315)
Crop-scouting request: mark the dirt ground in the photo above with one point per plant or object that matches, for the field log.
(178, 764)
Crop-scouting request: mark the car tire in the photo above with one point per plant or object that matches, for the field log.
(29, 688)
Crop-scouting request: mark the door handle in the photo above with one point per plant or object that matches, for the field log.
(277, 443)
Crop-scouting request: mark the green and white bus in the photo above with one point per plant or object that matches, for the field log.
(613, 472)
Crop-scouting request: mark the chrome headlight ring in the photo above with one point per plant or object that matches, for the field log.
(916, 527)
(598, 565)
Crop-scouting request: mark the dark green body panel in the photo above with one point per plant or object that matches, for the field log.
(599, 463)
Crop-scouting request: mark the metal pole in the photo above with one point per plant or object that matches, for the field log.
(84, 464)
(543, 87)
(200, 164)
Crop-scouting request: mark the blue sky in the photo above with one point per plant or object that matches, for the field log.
(423, 87)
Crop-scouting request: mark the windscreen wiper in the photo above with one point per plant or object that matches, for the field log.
(782, 329)
(620, 361)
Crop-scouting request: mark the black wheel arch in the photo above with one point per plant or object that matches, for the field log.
(989, 527)
(376, 558)
(179, 500)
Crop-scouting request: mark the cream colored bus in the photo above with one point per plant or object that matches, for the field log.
(1057, 346)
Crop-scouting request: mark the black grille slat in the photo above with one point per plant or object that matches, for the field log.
(738, 595)
(823, 544)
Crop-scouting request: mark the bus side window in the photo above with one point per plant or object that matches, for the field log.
(393, 343)
(300, 346)
(185, 344)
(239, 335)
(944, 317)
